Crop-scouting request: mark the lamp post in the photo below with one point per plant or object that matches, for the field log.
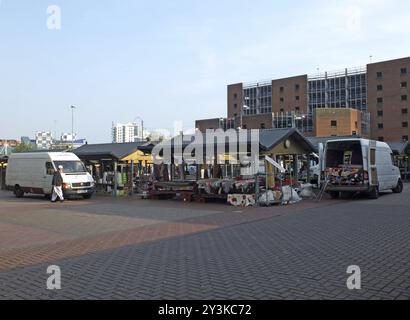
(72, 127)
(142, 127)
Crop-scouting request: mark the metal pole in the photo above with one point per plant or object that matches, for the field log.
(115, 180)
(72, 127)
(132, 178)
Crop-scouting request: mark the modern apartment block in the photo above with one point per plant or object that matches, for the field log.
(373, 102)
(123, 133)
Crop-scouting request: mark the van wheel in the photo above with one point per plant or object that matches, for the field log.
(88, 196)
(18, 192)
(399, 187)
(334, 195)
(374, 193)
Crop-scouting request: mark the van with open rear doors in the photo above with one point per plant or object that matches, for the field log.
(358, 165)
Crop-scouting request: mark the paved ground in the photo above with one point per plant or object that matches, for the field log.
(137, 249)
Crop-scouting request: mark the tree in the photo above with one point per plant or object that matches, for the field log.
(23, 147)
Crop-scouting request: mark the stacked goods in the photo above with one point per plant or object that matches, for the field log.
(345, 175)
(242, 200)
(226, 186)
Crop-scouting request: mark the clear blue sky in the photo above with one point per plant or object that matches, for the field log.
(170, 60)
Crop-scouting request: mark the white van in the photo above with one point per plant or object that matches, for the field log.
(33, 173)
(359, 165)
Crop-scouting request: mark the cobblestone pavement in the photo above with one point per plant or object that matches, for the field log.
(133, 249)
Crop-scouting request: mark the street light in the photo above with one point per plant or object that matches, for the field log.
(142, 127)
(72, 127)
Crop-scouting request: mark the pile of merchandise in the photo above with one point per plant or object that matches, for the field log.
(345, 175)
(226, 186)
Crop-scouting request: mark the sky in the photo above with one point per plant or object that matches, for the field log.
(171, 60)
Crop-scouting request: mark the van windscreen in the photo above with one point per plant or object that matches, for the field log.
(71, 166)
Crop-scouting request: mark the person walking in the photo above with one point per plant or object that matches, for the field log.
(57, 185)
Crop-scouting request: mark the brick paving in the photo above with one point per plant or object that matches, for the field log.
(295, 252)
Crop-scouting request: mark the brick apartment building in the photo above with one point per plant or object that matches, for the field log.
(370, 101)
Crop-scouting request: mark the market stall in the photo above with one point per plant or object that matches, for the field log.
(218, 177)
(401, 156)
(117, 168)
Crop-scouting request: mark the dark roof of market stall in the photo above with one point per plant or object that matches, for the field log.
(113, 151)
(399, 147)
(268, 139)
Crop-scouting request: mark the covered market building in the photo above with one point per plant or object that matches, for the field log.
(117, 168)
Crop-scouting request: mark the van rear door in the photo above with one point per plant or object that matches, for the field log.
(372, 164)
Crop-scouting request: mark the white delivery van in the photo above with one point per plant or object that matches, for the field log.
(32, 172)
(359, 165)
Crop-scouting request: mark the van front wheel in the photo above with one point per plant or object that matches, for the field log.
(399, 187)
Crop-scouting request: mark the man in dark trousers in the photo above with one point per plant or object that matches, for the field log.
(58, 185)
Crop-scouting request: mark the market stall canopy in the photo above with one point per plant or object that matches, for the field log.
(400, 147)
(113, 151)
(268, 140)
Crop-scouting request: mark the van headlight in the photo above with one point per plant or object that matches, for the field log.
(66, 186)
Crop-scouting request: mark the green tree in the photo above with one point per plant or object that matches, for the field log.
(23, 147)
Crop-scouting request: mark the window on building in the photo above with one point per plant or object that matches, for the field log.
(380, 113)
(262, 126)
(379, 75)
(405, 138)
(356, 125)
(404, 84)
(379, 100)
(380, 125)
(297, 109)
(282, 110)
(379, 87)
(405, 124)
(235, 95)
(297, 87)
(281, 89)
(235, 114)
(404, 97)
(244, 126)
(297, 98)
(282, 99)
(380, 139)
(235, 105)
(333, 124)
(404, 111)
(403, 71)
